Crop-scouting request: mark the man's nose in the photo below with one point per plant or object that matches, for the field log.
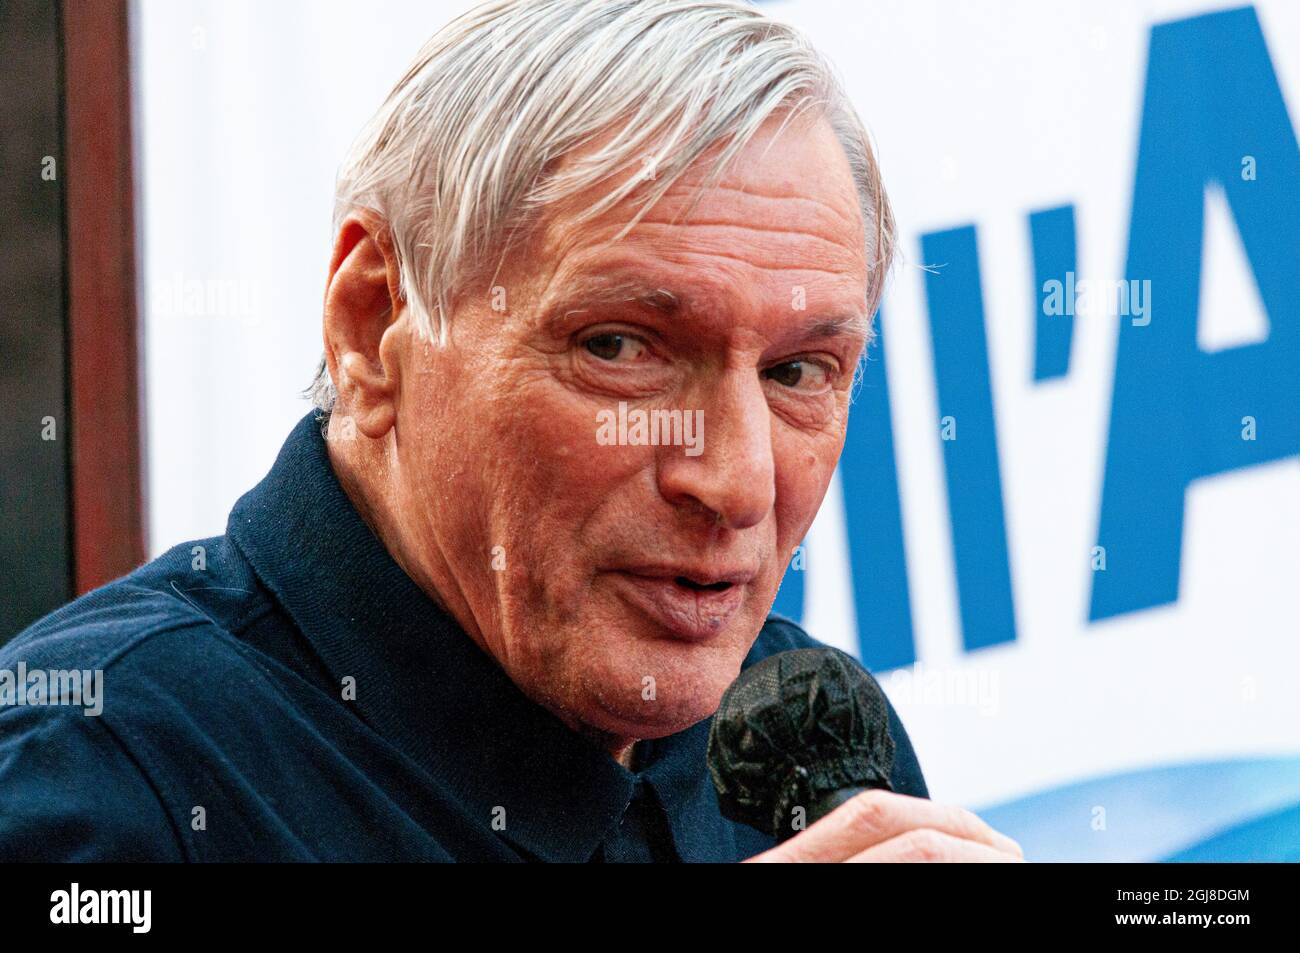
(732, 472)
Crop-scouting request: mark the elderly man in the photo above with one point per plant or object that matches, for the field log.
(467, 616)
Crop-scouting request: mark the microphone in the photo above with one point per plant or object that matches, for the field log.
(797, 735)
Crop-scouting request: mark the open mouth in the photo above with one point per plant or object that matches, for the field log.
(691, 584)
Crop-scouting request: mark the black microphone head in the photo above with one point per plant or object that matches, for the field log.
(792, 730)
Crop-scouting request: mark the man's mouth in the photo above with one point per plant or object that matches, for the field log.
(693, 606)
(720, 586)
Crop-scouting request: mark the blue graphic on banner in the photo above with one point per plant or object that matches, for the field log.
(968, 433)
(1274, 838)
(1216, 810)
(1052, 234)
(873, 518)
(1178, 413)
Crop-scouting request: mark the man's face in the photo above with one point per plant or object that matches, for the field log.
(619, 583)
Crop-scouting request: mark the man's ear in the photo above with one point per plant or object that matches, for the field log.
(362, 301)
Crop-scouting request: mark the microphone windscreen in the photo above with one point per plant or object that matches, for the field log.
(792, 731)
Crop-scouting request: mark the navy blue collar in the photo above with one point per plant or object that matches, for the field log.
(423, 684)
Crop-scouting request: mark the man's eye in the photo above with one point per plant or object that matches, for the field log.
(801, 374)
(611, 347)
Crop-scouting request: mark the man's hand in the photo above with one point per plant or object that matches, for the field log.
(883, 827)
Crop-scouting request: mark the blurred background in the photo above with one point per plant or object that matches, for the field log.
(1065, 532)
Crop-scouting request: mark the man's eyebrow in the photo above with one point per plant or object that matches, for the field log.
(596, 290)
(833, 325)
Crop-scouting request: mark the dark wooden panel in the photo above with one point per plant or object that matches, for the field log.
(35, 542)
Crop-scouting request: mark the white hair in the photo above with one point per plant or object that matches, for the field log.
(461, 157)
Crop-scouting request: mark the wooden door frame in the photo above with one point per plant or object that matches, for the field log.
(103, 336)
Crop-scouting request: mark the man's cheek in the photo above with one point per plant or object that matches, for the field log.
(802, 479)
(575, 461)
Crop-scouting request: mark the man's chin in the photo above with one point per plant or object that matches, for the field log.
(636, 726)
(644, 684)
(660, 708)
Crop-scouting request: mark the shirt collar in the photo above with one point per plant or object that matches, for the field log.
(674, 767)
(423, 684)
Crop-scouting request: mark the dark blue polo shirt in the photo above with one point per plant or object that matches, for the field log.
(286, 692)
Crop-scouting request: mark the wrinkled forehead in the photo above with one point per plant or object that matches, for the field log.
(792, 157)
(774, 239)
